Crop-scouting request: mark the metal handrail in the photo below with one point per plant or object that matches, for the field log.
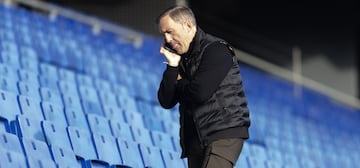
(97, 24)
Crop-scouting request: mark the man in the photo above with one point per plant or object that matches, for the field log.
(203, 76)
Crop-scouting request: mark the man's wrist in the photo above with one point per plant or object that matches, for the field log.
(173, 64)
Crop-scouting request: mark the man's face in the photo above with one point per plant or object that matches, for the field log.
(178, 35)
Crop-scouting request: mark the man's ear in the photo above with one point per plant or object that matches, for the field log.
(188, 25)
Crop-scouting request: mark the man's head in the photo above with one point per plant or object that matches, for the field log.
(178, 26)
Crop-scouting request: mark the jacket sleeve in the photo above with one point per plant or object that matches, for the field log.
(214, 66)
(167, 90)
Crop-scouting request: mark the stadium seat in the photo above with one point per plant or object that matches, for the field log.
(28, 89)
(141, 135)
(76, 118)
(56, 134)
(172, 159)
(107, 98)
(121, 130)
(40, 163)
(28, 128)
(134, 118)
(90, 100)
(82, 143)
(106, 149)
(151, 156)
(71, 100)
(127, 103)
(36, 149)
(54, 113)
(10, 142)
(130, 153)
(31, 108)
(64, 157)
(162, 140)
(12, 159)
(114, 112)
(9, 108)
(9, 84)
(98, 124)
(84, 80)
(29, 77)
(52, 96)
(153, 124)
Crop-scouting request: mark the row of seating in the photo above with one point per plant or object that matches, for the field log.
(98, 93)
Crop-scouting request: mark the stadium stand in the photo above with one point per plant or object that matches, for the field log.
(72, 98)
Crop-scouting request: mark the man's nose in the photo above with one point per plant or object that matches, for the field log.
(168, 38)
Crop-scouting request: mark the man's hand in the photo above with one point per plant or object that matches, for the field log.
(179, 77)
(172, 58)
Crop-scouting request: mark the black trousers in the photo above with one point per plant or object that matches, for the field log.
(222, 153)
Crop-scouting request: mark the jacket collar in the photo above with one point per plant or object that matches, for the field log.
(195, 44)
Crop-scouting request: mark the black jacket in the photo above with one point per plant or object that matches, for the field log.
(210, 92)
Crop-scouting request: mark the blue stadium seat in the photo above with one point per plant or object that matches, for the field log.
(10, 142)
(98, 124)
(153, 124)
(66, 75)
(145, 108)
(48, 82)
(106, 149)
(171, 127)
(82, 143)
(50, 95)
(242, 162)
(36, 149)
(12, 159)
(114, 112)
(54, 113)
(107, 98)
(134, 119)
(162, 140)
(76, 117)
(90, 101)
(273, 164)
(151, 156)
(48, 70)
(27, 52)
(9, 84)
(84, 80)
(71, 100)
(127, 103)
(291, 160)
(29, 77)
(10, 56)
(64, 157)
(141, 135)
(29, 64)
(121, 130)
(9, 108)
(274, 155)
(68, 87)
(40, 163)
(163, 114)
(103, 85)
(172, 159)
(31, 108)
(56, 134)
(254, 161)
(258, 151)
(8, 71)
(28, 128)
(28, 89)
(130, 153)
(120, 90)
